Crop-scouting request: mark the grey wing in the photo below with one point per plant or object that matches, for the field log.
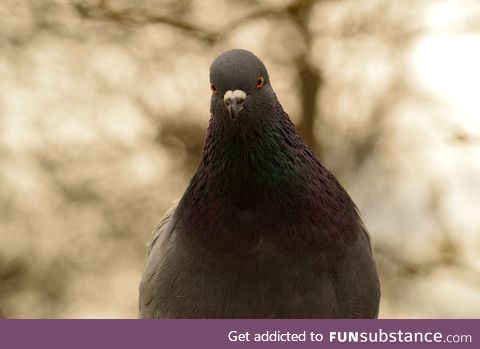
(358, 292)
(147, 285)
(160, 227)
(334, 285)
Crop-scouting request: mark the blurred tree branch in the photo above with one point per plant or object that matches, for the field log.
(310, 77)
(103, 10)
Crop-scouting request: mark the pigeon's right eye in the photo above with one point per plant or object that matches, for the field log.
(213, 88)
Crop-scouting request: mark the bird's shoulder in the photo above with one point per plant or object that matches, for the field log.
(161, 227)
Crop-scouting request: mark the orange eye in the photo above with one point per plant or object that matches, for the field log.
(213, 88)
(260, 82)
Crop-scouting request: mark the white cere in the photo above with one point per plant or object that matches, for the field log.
(237, 94)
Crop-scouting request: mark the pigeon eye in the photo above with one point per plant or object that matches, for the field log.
(260, 82)
(213, 88)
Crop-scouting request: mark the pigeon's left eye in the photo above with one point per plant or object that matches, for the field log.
(213, 88)
(260, 82)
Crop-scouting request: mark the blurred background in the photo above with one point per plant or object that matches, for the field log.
(98, 136)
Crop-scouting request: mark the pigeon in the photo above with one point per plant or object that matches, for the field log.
(263, 230)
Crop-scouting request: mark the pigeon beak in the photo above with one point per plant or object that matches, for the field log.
(233, 101)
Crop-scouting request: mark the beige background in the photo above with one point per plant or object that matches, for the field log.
(103, 110)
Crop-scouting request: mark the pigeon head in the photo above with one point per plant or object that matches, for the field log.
(240, 85)
(250, 138)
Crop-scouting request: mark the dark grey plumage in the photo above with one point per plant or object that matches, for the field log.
(263, 230)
